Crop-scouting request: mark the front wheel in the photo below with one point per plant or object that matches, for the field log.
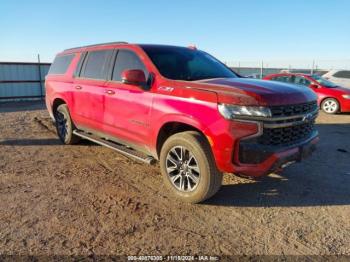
(188, 167)
(330, 106)
(65, 126)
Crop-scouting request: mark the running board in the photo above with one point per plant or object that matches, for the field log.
(117, 147)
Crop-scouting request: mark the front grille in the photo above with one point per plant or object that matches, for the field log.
(286, 135)
(289, 125)
(290, 110)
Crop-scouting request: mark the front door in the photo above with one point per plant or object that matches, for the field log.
(127, 107)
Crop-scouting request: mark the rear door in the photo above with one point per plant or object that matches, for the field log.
(127, 107)
(89, 88)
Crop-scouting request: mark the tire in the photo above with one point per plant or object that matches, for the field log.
(330, 106)
(65, 126)
(197, 177)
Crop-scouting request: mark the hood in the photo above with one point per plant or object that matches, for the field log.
(257, 92)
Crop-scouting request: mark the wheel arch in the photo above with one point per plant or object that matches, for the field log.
(173, 127)
(56, 103)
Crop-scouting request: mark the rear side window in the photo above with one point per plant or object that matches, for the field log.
(127, 59)
(299, 80)
(96, 64)
(285, 79)
(342, 74)
(80, 64)
(60, 64)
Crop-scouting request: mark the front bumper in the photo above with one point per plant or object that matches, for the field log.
(270, 159)
(259, 146)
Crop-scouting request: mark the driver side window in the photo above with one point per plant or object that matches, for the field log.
(127, 59)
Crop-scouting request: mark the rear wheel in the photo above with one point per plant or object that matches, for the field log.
(65, 126)
(188, 167)
(330, 106)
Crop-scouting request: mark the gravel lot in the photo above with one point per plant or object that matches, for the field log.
(86, 199)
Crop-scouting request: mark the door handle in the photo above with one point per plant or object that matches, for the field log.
(78, 87)
(109, 92)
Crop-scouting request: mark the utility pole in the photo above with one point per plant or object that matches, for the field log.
(261, 69)
(40, 80)
(312, 67)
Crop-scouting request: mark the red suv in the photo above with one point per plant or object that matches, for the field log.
(331, 97)
(182, 107)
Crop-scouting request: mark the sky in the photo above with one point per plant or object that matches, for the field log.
(232, 30)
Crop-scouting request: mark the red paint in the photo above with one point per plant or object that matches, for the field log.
(136, 77)
(135, 115)
(322, 91)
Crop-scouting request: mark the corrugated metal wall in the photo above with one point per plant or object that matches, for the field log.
(250, 71)
(22, 80)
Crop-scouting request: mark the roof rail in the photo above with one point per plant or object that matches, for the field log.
(109, 43)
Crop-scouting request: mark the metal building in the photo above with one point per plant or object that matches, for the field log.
(20, 80)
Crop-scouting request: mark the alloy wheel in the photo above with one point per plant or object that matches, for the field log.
(62, 125)
(183, 169)
(330, 106)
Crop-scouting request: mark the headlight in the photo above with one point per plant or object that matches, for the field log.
(346, 96)
(232, 111)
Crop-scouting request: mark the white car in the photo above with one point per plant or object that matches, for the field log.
(339, 77)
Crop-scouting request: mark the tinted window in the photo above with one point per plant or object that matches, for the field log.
(60, 64)
(96, 65)
(127, 59)
(342, 74)
(285, 79)
(299, 80)
(323, 82)
(80, 64)
(180, 63)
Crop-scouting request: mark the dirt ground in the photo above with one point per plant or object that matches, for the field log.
(86, 199)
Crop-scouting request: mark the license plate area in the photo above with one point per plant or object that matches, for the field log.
(306, 151)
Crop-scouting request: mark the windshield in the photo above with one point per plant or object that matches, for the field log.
(180, 63)
(324, 82)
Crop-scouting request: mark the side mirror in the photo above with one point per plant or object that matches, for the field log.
(134, 77)
(314, 86)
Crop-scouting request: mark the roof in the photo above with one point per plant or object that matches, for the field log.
(82, 48)
(102, 44)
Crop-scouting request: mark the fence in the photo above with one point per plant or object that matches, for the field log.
(26, 80)
(258, 69)
(260, 72)
(22, 80)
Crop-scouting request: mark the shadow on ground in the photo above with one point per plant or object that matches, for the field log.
(321, 180)
(41, 142)
(290, 190)
(7, 107)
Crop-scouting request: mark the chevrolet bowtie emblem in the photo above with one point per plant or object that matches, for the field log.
(307, 118)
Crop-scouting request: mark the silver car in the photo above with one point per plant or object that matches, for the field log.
(340, 77)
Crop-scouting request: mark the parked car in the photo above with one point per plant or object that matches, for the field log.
(182, 107)
(331, 97)
(339, 77)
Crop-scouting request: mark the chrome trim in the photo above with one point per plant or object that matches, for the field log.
(147, 159)
(300, 122)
